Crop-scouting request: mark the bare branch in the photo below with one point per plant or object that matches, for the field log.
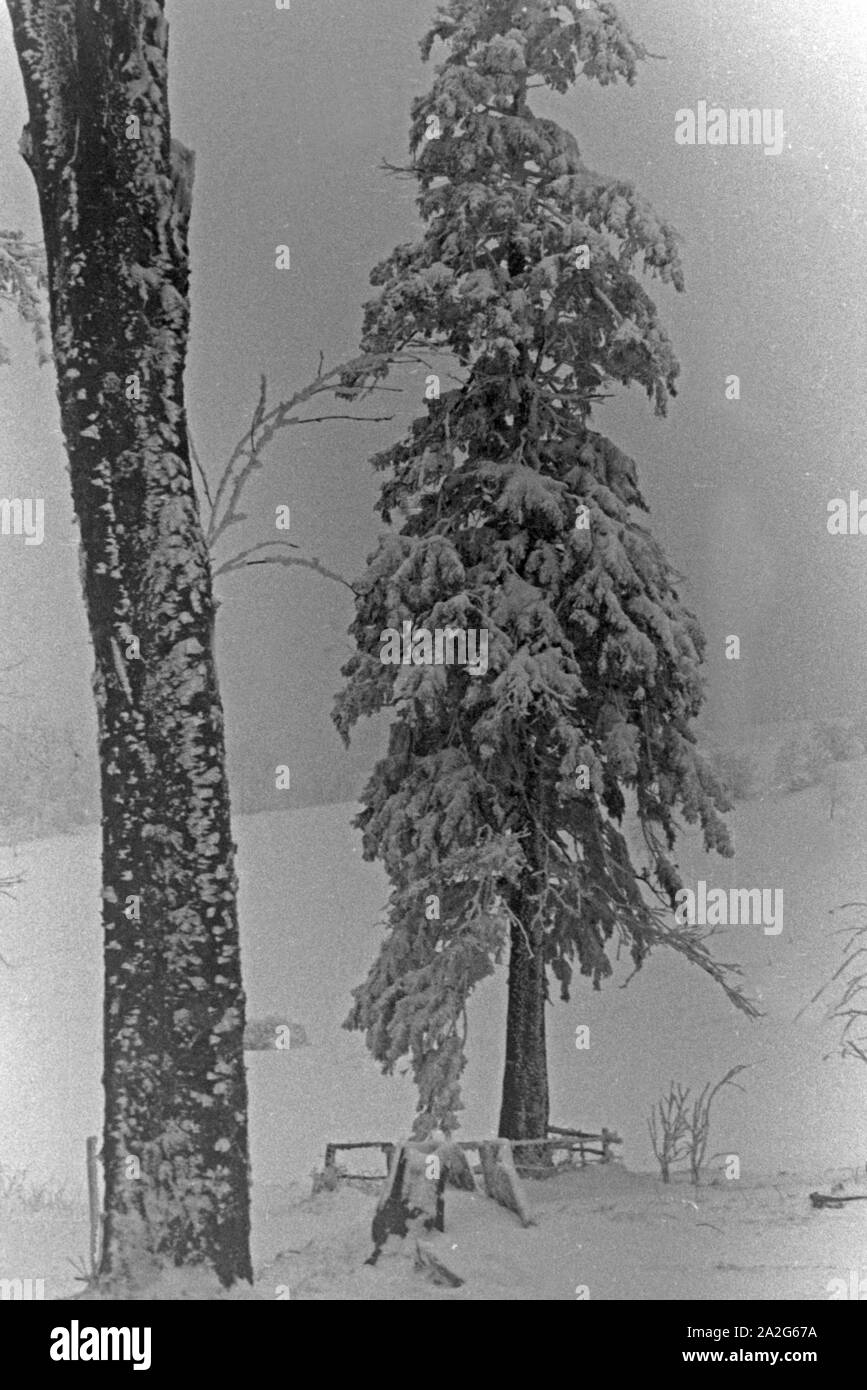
(236, 562)
(311, 564)
(668, 1127)
(850, 1009)
(265, 424)
(197, 464)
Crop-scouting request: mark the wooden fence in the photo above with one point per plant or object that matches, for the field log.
(574, 1141)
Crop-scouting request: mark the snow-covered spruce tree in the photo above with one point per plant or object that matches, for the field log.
(497, 811)
(114, 194)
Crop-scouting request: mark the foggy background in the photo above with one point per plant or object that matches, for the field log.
(290, 114)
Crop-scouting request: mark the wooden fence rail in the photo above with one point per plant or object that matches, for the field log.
(559, 1139)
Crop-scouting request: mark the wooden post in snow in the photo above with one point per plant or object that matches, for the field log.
(94, 1205)
(501, 1180)
(413, 1196)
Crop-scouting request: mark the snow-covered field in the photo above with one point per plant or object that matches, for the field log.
(599, 1233)
(309, 911)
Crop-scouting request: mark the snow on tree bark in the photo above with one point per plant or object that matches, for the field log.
(114, 193)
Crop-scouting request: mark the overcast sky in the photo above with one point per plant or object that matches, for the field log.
(290, 114)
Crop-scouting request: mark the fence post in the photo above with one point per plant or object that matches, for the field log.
(93, 1205)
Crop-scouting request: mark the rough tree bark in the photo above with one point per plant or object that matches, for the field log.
(114, 193)
(524, 1109)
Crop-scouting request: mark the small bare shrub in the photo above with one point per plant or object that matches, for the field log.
(668, 1129)
(698, 1122)
(681, 1129)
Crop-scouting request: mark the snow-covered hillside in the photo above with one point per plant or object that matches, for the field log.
(309, 909)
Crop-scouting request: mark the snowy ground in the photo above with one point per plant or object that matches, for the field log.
(309, 912)
(600, 1233)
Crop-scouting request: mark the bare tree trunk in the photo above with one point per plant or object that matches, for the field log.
(114, 194)
(524, 1107)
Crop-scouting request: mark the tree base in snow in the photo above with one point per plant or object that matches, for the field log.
(413, 1198)
(456, 1167)
(502, 1181)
